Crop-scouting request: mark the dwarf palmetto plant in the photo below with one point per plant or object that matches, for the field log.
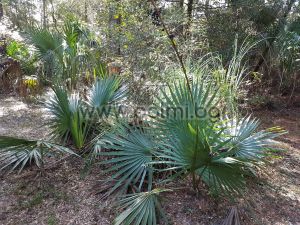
(16, 153)
(73, 119)
(188, 142)
(212, 150)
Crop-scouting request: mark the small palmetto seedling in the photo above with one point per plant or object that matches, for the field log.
(74, 119)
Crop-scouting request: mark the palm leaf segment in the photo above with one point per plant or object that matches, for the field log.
(17, 153)
(44, 41)
(106, 92)
(246, 143)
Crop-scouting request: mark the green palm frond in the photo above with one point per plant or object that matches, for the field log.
(105, 93)
(131, 152)
(189, 147)
(224, 176)
(177, 106)
(69, 117)
(49, 49)
(58, 105)
(72, 33)
(246, 143)
(140, 209)
(44, 41)
(195, 150)
(16, 153)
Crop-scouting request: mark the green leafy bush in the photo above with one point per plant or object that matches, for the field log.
(20, 52)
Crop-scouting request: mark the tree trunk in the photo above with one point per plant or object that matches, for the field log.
(44, 14)
(114, 28)
(180, 29)
(1, 10)
(206, 9)
(181, 3)
(85, 11)
(189, 17)
(190, 11)
(53, 15)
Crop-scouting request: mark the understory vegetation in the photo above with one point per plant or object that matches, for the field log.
(151, 93)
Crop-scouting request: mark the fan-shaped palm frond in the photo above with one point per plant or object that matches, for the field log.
(17, 153)
(246, 143)
(196, 149)
(178, 106)
(141, 208)
(223, 176)
(105, 93)
(49, 49)
(70, 118)
(132, 152)
(44, 41)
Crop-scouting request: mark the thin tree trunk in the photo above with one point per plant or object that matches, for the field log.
(181, 26)
(53, 15)
(114, 24)
(206, 9)
(234, 6)
(17, 23)
(44, 14)
(85, 11)
(281, 23)
(1, 10)
(181, 3)
(190, 12)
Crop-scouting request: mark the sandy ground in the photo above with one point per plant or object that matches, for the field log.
(65, 196)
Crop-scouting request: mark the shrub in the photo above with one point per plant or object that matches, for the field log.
(21, 53)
